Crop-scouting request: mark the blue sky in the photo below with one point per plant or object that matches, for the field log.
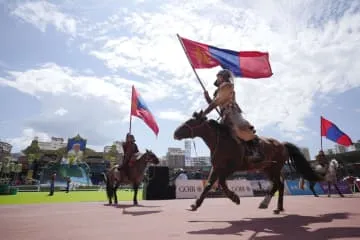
(67, 67)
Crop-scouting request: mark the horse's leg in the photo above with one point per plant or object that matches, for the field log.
(338, 190)
(211, 180)
(230, 194)
(115, 194)
(312, 184)
(280, 204)
(275, 185)
(135, 188)
(329, 188)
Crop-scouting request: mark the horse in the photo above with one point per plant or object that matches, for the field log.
(114, 177)
(228, 156)
(330, 178)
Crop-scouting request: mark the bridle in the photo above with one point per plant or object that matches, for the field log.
(191, 128)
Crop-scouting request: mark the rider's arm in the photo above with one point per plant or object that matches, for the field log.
(136, 148)
(224, 95)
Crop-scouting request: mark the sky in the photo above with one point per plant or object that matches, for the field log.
(67, 67)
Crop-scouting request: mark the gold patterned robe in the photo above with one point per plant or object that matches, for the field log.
(225, 99)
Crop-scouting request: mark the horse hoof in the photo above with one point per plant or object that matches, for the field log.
(316, 195)
(342, 196)
(263, 206)
(136, 203)
(276, 211)
(193, 207)
(236, 199)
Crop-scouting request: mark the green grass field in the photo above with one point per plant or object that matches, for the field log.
(62, 197)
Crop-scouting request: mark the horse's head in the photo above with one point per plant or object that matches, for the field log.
(151, 157)
(334, 164)
(191, 128)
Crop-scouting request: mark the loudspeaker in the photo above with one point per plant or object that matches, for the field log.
(158, 175)
(157, 185)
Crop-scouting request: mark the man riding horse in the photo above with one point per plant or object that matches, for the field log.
(231, 115)
(130, 149)
(322, 161)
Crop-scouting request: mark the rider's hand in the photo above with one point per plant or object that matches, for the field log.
(207, 97)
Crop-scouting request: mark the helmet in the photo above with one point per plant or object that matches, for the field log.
(130, 137)
(227, 75)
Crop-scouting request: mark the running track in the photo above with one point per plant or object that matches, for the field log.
(305, 218)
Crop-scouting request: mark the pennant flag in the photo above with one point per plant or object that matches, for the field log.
(140, 110)
(332, 132)
(248, 64)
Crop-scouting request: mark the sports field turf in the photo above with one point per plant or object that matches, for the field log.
(62, 197)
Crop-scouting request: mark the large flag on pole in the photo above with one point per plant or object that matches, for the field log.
(140, 110)
(333, 133)
(247, 64)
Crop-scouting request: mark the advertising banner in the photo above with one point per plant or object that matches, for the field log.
(194, 188)
(188, 188)
(342, 185)
(241, 187)
(260, 187)
(294, 189)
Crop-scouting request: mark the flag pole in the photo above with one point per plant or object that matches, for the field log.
(321, 142)
(131, 105)
(197, 76)
(187, 55)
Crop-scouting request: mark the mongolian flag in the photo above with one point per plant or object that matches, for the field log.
(140, 110)
(247, 64)
(333, 133)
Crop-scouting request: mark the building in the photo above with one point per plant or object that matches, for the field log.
(175, 158)
(188, 160)
(340, 148)
(201, 161)
(357, 145)
(306, 153)
(329, 151)
(54, 144)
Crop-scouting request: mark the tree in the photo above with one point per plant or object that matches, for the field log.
(32, 152)
(112, 155)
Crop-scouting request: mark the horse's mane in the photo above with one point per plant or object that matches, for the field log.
(224, 129)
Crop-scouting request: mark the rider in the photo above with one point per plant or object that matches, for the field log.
(231, 113)
(321, 159)
(130, 148)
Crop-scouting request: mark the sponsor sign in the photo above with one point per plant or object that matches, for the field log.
(241, 187)
(342, 185)
(260, 187)
(194, 188)
(188, 188)
(294, 189)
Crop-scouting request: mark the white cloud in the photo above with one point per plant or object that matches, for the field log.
(23, 141)
(307, 50)
(42, 13)
(313, 48)
(173, 115)
(61, 112)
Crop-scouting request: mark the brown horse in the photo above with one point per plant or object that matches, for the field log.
(228, 156)
(114, 177)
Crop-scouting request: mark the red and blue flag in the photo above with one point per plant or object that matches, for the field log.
(140, 110)
(248, 64)
(333, 133)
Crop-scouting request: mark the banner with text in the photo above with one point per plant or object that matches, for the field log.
(188, 188)
(194, 188)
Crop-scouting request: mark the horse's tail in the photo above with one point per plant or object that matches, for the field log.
(300, 163)
(109, 189)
